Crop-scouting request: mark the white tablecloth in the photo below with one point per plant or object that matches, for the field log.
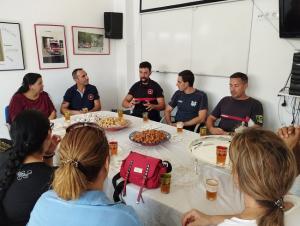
(187, 187)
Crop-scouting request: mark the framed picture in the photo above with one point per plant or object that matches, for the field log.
(11, 54)
(51, 46)
(90, 41)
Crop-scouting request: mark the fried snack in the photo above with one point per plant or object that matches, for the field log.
(149, 137)
(111, 122)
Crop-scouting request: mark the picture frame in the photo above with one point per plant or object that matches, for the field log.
(90, 41)
(11, 50)
(51, 46)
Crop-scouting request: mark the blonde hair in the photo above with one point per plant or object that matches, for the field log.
(83, 152)
(265, 169)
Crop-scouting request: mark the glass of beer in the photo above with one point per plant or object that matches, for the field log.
(211, 189)
(203, 131)
(85, 110)
(221, 152)
(67, 116)
(179, 126)
(165, 183)
(120, 113)
(145, 116)
(113, 147)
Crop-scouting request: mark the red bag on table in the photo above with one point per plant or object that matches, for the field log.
(141, 170)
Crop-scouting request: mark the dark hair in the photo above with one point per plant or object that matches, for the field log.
(28, 79)
(187, 76)
(74, 73)
(146, 64)
(28, 132)
(240, 75)
(83, 152)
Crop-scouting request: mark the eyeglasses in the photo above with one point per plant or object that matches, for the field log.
(83, 124)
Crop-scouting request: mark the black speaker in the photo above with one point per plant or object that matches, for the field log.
(113, 25)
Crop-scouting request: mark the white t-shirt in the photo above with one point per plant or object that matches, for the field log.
(238, 222)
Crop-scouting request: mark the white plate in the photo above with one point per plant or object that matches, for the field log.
(204, 148)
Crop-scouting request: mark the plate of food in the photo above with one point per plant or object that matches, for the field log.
(149, 137)
(113, 123)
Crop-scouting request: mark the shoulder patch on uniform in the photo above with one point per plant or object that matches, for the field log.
(259, 118)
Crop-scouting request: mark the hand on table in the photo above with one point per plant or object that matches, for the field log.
(195, 218)
(217, 131)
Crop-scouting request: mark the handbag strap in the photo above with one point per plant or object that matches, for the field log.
(143, 184)
(126, 177)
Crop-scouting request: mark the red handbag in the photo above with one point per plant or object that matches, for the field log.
(141, 170)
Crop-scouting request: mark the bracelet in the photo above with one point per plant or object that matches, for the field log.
(48, 156)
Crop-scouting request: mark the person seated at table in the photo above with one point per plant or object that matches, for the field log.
(77, 197)
(28, 171)
(145, 95)
(81, 97)
(235, 109)
(191, 103)
(263, 169)
(31, 96)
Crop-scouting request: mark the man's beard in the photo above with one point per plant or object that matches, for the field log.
(145, 80)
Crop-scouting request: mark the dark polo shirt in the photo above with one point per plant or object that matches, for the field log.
(78, 101)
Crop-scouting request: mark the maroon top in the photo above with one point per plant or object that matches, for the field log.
(19, 103)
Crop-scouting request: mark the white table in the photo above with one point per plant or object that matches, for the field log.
(187, 188)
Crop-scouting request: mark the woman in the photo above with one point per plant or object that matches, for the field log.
(264, 169)
(28, 172)
(77, 197)
(31, 96)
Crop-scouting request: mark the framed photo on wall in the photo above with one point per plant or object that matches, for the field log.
(51, 46)
(90, 41)
(11, 54)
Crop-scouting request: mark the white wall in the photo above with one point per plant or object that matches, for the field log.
(270, 60)
(102, 70)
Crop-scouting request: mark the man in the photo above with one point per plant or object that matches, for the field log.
(191, 103)
(82, 97)
(145, 95)
(237, 109)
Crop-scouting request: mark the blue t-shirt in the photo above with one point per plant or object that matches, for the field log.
(93, 208)
(78, 101)
(188, 105)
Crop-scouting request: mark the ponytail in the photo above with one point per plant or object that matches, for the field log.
(14, 162)
(83, 152)
(274, 215)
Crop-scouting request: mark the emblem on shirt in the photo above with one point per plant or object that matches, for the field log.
(91, 97)
(259, 119)
(23, 175)
(193, 103)
(150, 91)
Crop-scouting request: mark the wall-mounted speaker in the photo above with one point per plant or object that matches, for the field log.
(113, 25)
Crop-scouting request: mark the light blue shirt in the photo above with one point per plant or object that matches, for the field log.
(93, 208)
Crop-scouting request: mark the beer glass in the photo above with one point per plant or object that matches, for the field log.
(221, 153)
(113, 147)
(179, 126)
(211, 189)
(145, 116)
(165, 183)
